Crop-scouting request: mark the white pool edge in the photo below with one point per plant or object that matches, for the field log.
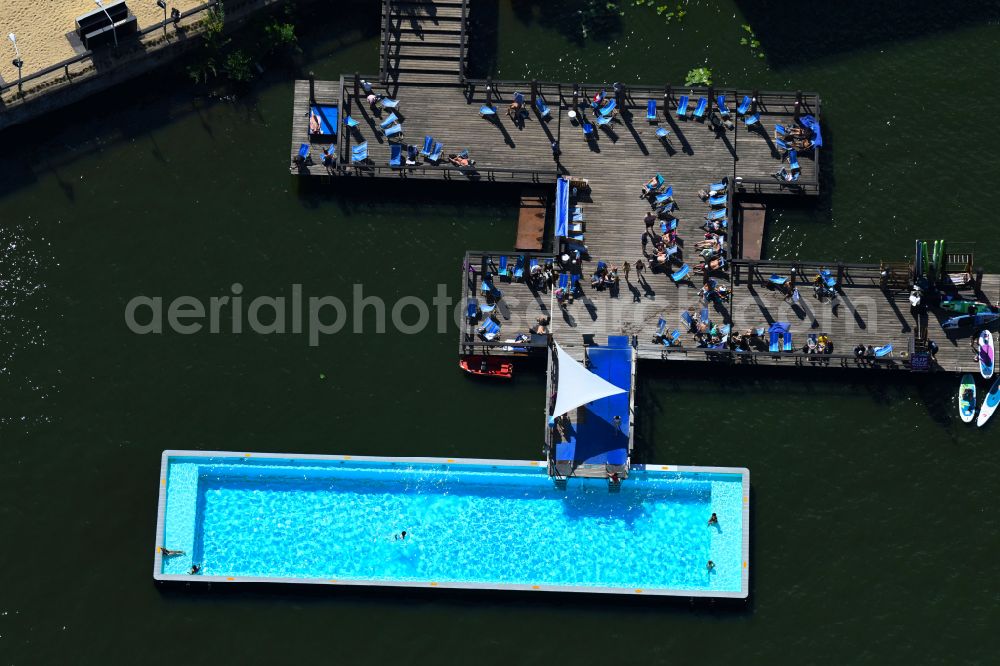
(161, 508)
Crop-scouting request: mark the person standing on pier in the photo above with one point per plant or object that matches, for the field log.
(626, 268)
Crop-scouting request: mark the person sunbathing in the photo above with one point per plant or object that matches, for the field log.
(797, 133)
(315, 124)
(460, 161)
(713, 265)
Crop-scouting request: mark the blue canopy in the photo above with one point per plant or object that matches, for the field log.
(562, 208)
(813, 124)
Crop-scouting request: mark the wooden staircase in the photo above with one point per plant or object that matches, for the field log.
(423, 41)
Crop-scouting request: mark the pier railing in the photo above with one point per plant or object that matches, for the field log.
(462, 48)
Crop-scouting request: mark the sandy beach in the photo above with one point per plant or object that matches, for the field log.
(45, 30)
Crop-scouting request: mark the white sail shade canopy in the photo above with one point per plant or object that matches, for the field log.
(577, 386)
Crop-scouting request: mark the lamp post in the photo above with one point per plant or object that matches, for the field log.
(17, 62)
(163, 5)
(114, 31)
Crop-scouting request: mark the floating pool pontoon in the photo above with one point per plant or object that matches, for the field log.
(475, 524)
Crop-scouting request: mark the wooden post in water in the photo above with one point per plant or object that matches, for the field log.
(312, 88)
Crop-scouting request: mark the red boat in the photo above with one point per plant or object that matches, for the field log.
(487, 366)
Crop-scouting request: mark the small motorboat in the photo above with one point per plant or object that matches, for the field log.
(487, 366)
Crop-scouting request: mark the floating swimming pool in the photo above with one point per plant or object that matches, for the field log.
(491, 524)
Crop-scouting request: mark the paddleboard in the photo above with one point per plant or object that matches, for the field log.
(990, 404)
(969, 320)
(986, 354)
(967, 406)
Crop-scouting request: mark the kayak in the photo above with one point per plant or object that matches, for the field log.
(967, 398)
(969, 320)
(986, 354)
(990, 404)
(963, 307)
(487, 366)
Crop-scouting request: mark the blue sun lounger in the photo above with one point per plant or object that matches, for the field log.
(717, 214)
(687, 319)
(662, 133)
(394, 131)
(779, 280)
(665, 197)
(487, 110)
(575, 284)
(665, 207)
(719, 187)
(661, 327)
(699, 111)
(519, 98)
(671, 339)
(780, 145)
(668, 226)
(395, 155)
(828, 278)
(435, 153)
(563, 280)
(543, 108)
(490, 329)
(682, 107)
(884, 350)
(744, 105)
(303, 151)
(717, 200)
(588, 131)
(680, 273)
(359, 153)
(428, 143)
(603, 120)
(752, 120)
(651, 110)
(502, 269)
(720, 103)
(488, 309)
(793, 160)
(389, 121)
(577, 214)
(351, 123)
(472, 310)
(519, 268)
(531, 265)
(779, 131)
(608, 108)
(703, 316)
(387, 103)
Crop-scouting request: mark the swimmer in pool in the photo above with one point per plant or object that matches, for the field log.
(166, 552)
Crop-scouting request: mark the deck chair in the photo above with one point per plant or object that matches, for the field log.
(682, 107)
(651, 110)
(666, 226)
(720, 186)
(781, 145)
(393, 118)
(519, 268)
(428, 143)
(779, 280)
(574, 284)
(490, 329)
(394, 131)
(577, 214)
(487, 309)
(793, 160)
(303, 153)
(472, 311)
(662, 133)
(411, 154)
(588, 131)
(884, 350)
(563, 280)
(744, 105)
(543, 108)
(666, 207)
(720, 103)
(699, 111)
(531, 265)
(519, 98)
(687, 319)
(716, 214)
(435, 153)
(779, 131)
(680, 273)
(703, 316)
(717, 200)
(608, 108)
(503, 270)
(671, 339)
(665, 197)
(655, 189)
(395, 155)
(387, 103)
(487, 111)
(661, 327)
(725, 329)
(752, 120)
(359, 153)
(603, 120)
(827, 278)
(350, 123)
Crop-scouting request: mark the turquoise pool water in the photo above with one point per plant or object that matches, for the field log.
(480, 525)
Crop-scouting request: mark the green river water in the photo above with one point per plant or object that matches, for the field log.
(874, 539)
